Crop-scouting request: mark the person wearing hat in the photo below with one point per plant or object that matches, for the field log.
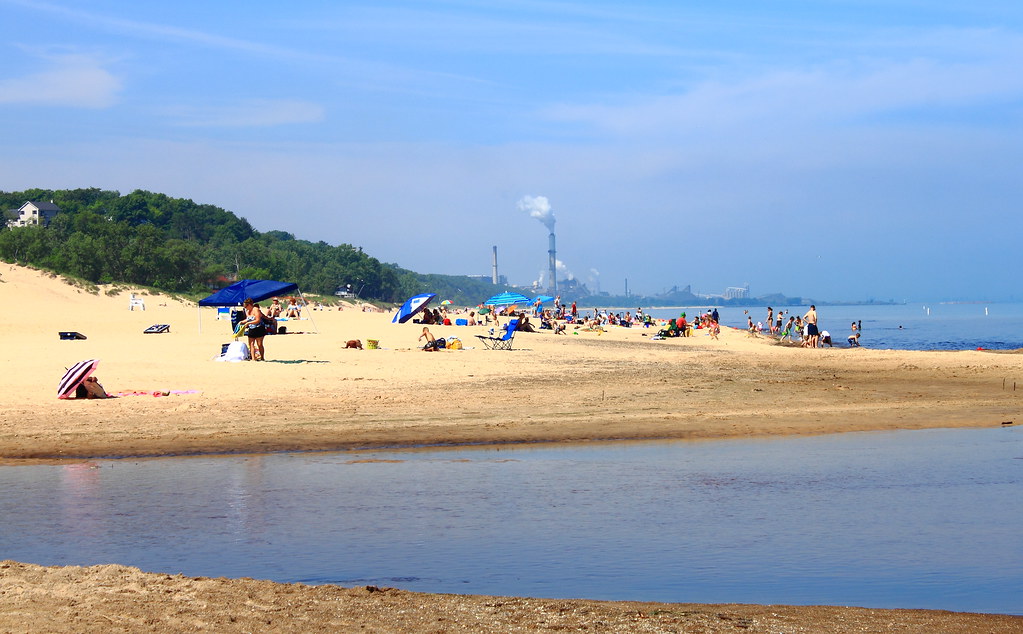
(683, 326)
(275, 309)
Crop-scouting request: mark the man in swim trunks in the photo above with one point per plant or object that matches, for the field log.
(812, 334)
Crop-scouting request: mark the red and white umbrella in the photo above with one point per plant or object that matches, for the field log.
(75, 376)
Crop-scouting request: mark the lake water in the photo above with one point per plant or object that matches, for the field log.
(899, 327)
(923, 519)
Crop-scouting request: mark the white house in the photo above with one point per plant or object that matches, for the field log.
(34, 213)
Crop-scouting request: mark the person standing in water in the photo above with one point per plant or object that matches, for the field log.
(812, 333)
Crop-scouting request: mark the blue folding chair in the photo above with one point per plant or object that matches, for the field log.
(504, 342)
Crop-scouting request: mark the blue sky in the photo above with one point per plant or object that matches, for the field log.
(830, 149)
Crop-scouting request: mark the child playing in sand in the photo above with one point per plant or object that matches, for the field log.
(431, 341)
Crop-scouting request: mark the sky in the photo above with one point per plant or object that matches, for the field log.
(837, 150)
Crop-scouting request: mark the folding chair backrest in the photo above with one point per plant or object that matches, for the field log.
(509, 331)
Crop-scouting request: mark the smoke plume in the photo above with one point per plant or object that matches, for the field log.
(539, 208)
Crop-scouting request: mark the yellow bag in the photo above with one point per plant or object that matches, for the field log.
(454, 343)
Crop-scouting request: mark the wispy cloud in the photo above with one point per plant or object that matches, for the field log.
(837, 92)
(137, 28)
(248, 114)
(71, 80)
(347, 70)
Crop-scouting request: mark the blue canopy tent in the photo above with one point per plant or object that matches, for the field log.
(257, 290)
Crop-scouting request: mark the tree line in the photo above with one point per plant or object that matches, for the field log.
(177, 245)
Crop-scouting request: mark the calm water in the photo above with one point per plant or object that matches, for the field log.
(903, 327)
(924, 519)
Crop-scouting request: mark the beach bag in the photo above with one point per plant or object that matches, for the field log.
(441, 343)
(236, 351)
(454, 343)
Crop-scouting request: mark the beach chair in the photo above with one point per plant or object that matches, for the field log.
(504, 342)
(136, 302)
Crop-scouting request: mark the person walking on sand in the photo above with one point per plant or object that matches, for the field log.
(255, 330)
(812, 333)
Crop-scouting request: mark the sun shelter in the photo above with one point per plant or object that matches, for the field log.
(75, 376)
(507, 299)
(411, 307)
(258, 290)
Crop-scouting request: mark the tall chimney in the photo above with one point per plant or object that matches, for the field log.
(552, 256)
(494, 273)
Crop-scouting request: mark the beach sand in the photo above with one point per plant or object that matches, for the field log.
(315, 394)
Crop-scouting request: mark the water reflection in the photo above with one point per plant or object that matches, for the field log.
(910, 519)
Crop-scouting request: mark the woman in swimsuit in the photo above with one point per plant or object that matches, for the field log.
(255, 330)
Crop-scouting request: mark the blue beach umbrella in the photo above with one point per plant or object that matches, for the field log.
(542, 299)
(412, 306)
(507, 299)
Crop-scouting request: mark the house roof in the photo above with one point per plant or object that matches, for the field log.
(42, 206)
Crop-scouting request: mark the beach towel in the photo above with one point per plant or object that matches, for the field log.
(155, 392)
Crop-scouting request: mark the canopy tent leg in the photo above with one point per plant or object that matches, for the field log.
(310, 311)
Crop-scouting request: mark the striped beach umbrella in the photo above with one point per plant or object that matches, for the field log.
(75, 376)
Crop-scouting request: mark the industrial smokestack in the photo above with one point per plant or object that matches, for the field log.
(494, 272)
(538, 207)
(552, 257)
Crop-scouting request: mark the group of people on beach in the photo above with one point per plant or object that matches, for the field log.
(803, 329)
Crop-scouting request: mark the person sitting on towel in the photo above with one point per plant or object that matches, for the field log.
(275, 309)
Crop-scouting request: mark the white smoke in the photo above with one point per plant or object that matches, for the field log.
(540, 208)
(563, 270)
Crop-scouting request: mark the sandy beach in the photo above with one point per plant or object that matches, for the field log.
(315, 394)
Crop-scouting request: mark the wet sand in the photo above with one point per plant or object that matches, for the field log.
(120, 599)
(314, 394)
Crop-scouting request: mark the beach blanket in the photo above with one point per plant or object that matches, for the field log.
(155, 392)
